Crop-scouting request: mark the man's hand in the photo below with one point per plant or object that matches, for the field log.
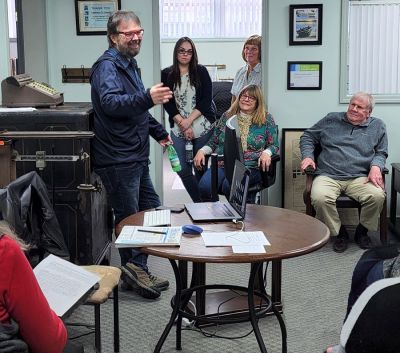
(166, 141)
(199, 160)
(375, 177)
(307, 162)
(160, 94)
(264, 161)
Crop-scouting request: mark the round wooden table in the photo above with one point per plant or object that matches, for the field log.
(290, 233)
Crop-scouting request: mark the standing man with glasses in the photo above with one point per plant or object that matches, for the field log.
(353, 150)
(120, 148)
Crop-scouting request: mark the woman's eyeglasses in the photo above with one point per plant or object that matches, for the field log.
(246, 97)
(251, 49)
(132, 34)
(182, 51)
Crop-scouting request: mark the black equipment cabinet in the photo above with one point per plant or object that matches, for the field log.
(83, 213)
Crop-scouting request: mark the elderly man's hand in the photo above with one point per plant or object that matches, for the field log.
(375, 177)
(307, 162)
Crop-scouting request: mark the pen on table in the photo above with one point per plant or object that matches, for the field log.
(151, 231)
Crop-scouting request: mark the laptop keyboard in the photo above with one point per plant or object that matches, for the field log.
(220, 210)
(157, 218)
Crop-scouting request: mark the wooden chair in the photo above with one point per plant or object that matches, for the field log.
(344, 201)
(108, 284)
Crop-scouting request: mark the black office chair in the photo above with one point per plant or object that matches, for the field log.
(373, 322)
(232, 151)
(222, 96)
(344, 201)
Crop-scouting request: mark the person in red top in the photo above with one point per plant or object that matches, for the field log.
(22, 300)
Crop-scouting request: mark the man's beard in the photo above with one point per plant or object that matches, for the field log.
(128, 50)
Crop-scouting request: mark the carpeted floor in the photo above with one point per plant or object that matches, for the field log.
(315, 288)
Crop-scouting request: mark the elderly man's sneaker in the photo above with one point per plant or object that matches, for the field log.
(139, 280)
(341, 242)
(361, 237)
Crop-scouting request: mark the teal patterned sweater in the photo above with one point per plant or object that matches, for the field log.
(259, 139)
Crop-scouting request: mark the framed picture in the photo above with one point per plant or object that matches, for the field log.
(305, 24)
(304, 75)
(92, 16)
(293, 181)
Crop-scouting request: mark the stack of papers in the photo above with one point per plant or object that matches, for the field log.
(133, 236)
(241, 242)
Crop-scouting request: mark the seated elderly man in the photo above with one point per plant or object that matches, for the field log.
(353, 154)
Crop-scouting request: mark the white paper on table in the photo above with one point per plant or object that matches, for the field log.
(251, 249)
(234, 238)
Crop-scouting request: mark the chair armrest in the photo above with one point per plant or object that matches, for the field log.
(269, 176)
(214, 175)
(309, 172)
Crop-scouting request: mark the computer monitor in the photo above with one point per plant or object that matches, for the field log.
(232, 148)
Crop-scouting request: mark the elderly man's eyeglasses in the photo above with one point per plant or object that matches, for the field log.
(132, 34)
(182, 51)
(246, 97)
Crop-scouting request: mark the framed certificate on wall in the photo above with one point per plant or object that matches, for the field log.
(92, 16)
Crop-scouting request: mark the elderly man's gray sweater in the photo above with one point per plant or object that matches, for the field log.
(347, 150)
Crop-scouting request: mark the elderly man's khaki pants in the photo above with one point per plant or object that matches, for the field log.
(326, 190)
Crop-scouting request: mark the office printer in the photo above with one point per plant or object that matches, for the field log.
(22, 91)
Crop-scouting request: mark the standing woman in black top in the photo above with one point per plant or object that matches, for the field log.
(191, 110)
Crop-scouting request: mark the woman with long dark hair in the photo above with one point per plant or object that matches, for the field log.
(191, 110)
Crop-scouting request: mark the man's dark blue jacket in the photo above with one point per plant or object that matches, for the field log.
(122, 123)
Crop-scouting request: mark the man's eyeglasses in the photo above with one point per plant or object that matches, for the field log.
(182, 51)
(247, 97)
(132, 34)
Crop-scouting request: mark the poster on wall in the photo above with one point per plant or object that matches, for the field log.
(305, 24)
(92, 16)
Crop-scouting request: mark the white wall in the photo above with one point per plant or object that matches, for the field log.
(4, 46)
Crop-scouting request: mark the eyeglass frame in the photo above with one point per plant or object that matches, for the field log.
(245, 96)
(182, 51)
(131, 34)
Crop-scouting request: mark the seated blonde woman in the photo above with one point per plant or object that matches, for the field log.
(259, 139)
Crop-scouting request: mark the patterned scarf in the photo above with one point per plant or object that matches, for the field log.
(244, 122)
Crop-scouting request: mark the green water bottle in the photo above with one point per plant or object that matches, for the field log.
(174, 159)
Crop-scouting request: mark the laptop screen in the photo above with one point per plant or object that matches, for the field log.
(239, 188)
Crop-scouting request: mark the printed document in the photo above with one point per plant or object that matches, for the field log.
(134, 236)
(236, 238)
(63, 283)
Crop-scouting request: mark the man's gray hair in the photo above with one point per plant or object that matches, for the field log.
(367, 96)
(114, 21)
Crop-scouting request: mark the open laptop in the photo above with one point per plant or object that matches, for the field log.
(223, 211)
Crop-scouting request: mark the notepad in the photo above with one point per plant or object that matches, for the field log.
(134, 236)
